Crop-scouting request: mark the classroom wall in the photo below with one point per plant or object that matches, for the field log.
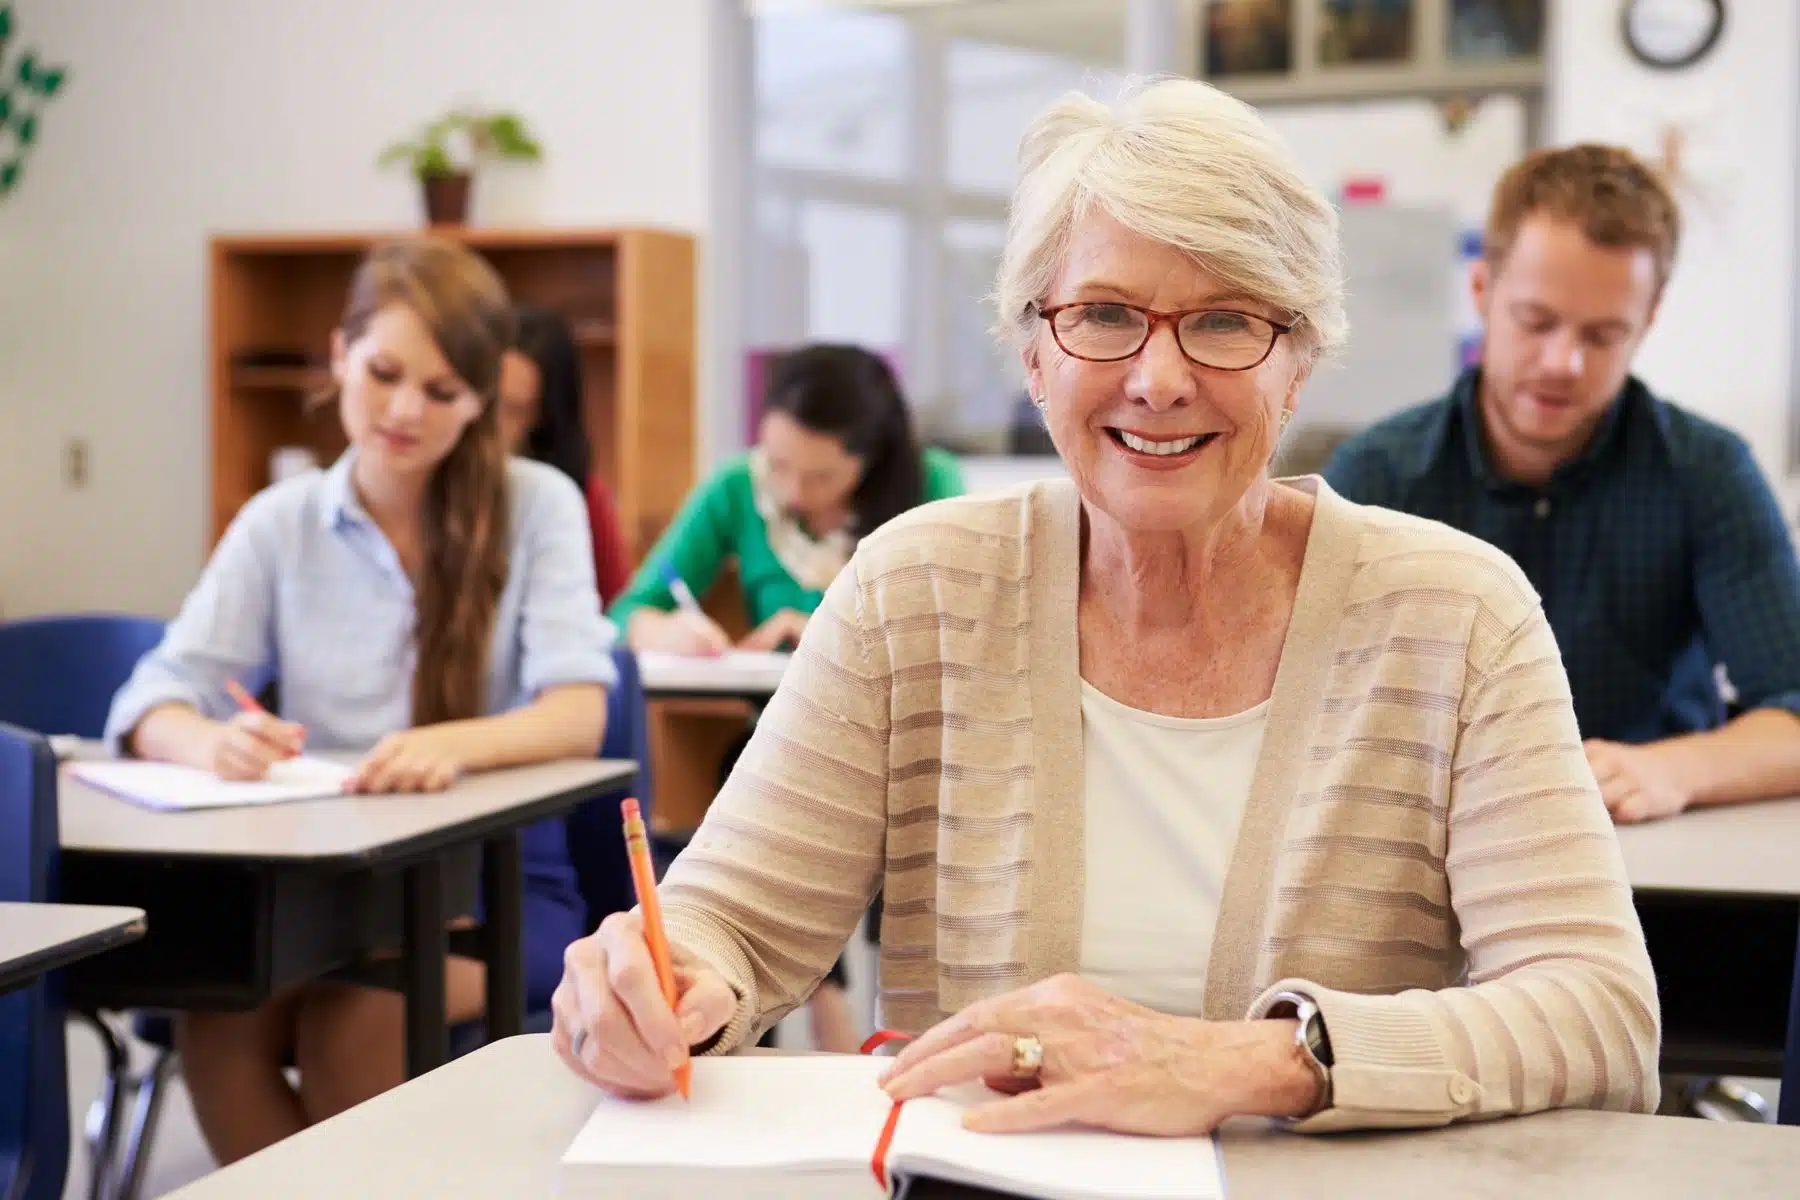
(1722, 343)
(185, 117)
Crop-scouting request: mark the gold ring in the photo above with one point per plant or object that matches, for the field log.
(1027, 1057)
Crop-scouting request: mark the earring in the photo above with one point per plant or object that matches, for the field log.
(1038, 401)
(1287, 414)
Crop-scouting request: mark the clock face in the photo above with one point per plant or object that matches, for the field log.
(1673, 33)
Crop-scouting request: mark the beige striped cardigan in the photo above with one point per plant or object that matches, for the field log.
(1424, 851)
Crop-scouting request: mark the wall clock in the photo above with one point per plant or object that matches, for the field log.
(1672, 34)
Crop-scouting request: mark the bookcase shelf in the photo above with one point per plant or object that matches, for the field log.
(629, 294)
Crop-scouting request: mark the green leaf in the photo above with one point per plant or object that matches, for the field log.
(27, 128)
(509, 138)
(5, 21)
(5, 105)
(9, 175)
(433, 162)
(398, 153)
(27, 68)
(51, 81)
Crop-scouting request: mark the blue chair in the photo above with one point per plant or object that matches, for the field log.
(58, 674)
(34, 1078)
(1787, 1110)
(596, 841)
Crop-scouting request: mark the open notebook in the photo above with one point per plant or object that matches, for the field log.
(733, 669)
(807, 1127)
(164, 786)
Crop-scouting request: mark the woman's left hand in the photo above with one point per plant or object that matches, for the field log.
(781, 630)
(415, 760)
(1107, 1063)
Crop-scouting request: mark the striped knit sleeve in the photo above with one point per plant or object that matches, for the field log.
(1560, 1006)
(790, 853)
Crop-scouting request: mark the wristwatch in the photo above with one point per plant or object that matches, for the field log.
(1310, 1037)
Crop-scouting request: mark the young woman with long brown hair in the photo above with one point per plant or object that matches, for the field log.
(427, 602)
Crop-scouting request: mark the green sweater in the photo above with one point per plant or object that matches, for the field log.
(720, 522)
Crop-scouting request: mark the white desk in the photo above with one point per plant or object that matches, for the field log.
(496, 1123)
(1717, 890)
(342, 830)
(736, 675)
(245, 901)
(1739, 850)
(35, 938)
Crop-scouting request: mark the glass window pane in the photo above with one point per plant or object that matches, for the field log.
(1365, 31)
(823, 271)
(830, 88)
(856, 274)
(995, 91)
(1490, 29)
(986, 389)
(1249, 37)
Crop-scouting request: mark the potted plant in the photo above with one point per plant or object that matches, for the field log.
(24, 89)
(444, 156)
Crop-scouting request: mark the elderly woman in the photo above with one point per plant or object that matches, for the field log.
(1194, 793)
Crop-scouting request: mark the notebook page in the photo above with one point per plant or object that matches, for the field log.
(729, 667)
(1062, 1165)
(758, 662)
(171, 787)
(796, 1112)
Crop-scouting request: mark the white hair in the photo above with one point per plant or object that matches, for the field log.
(1182, 163)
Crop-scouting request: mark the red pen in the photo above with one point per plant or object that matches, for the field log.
(244, 699)
(248, 703)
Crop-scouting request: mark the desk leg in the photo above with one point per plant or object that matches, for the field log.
(424, 950)
(503, 900)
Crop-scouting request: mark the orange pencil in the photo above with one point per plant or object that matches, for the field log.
(643, 879)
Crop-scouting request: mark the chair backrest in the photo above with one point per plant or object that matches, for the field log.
(596, 842)
(34, 1081)
(1787, 1110)
(58, 674)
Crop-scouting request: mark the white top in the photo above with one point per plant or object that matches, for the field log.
(1164, 797)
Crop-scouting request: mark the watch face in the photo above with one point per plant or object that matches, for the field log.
(1672, 33)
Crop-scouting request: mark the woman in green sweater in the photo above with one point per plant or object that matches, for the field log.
(836, 458)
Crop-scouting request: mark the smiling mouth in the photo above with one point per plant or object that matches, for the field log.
(1162, 449)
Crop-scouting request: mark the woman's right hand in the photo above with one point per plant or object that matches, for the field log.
(613, 1027)
(691, 634)
(245, 747)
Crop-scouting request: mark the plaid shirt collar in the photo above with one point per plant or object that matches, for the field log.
(1464, 411)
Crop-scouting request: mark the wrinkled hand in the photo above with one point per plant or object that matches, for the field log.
(782, 629)
(1108, 1063)
(1633, 781)
(612, 1025)
(246, 746)
(427, 759)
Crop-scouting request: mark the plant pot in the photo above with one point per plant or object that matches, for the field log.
(446, 198)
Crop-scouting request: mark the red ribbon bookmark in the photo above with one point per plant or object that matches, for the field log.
(878, 1162)
(882, 1037)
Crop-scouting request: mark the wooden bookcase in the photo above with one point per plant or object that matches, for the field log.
(630, 294)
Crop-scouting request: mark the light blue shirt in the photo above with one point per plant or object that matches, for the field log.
(304, 588)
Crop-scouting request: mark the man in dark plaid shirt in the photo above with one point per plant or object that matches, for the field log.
(1656, 545)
